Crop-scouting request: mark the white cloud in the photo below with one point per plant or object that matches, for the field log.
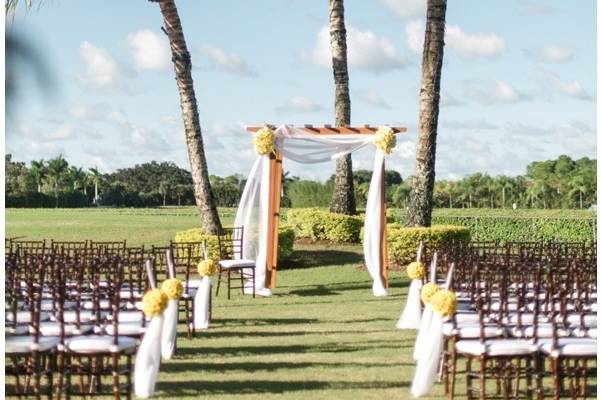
(570, 88)
(475, 125)
(473, 46)
(497, 92)
(300, 104)
(406, 8)
(100, 70)
(551, 53)
(448, 100)
(366, 51)
(534, 8)
(373, 98)
(228, 62)
(468, 46)
(149, 50)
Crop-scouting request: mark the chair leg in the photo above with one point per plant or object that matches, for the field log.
(229, 285)
(482, 377)
(218, 282)
(555, 373)
(468, 378)
(61, 374)
(453, 371)
(242, 280)
(116, 388)
(254, 283)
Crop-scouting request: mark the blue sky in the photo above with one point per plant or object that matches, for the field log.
(518, 84)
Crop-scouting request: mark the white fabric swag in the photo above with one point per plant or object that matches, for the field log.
(297, 145)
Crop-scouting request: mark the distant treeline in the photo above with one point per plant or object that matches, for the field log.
(560, 183)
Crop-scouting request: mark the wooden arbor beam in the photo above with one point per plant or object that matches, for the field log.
(275, 183)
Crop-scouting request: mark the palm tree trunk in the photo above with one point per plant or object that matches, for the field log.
(183, 75)
(503, 194)
(580, 193)
(96, 193)
(343, 199)
(420, 205)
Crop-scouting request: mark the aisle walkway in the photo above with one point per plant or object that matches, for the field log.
(322, 336)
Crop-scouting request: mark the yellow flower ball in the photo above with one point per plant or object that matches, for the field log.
(207, 267)
(385, 139)
(416, 270)
(173, 288)
(264, 141)
(154, 302)
(444, 302)
(428, 291)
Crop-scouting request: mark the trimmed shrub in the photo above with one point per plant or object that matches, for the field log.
(285, 241)
(318, 224)
(403, 242)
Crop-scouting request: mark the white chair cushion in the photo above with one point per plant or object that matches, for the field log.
(236, 263)
(466, 317)
(592, 333)
(126, 329)
(24, 317)
(526, 318)
(544, 330)
(590, 320)
(496, 347)
(50, 328)
(470, 330)
(570, 347)
(85, 316)
(25, 344)
(17, 330)
(130, 316)
(99, 344)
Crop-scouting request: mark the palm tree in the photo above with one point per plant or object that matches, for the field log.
(96, 179)
(343, 198)
(38, 172)
(420, 205)
(57, 169)
(78, 177)
(183, 76)
(579, 186)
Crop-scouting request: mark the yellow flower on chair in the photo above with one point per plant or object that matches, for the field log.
(428, 290)
(173, 288)
(416, 270)
(264, 141)
(444, 302)
(385, 139)
(207, 267)
(154, 302)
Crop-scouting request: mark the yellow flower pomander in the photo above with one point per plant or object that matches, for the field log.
(428, 291)
(385, 139)
(444, 302)
(173, 288)
(207, 267)
(416, 270)
(264, 141)
(154, 302)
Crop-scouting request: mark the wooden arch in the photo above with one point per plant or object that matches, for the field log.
(275, 187)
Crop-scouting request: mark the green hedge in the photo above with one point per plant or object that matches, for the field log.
(403, 242)
(318, 224)
(285, 241)
(504, 225)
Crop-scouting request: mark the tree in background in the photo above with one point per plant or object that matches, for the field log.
(343, 199)
(96, 179)
(183, 75)
(420, 205)
(38, 172)
(57, 170)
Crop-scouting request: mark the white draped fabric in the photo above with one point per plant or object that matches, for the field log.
(148, 359)
(169, 335)
(202, 302)
(412, 313)
(297, 145)
(428, 363)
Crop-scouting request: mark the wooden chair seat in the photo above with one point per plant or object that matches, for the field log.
(26, 344)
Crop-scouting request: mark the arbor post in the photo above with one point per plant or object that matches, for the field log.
(275, 187)
(383, 245)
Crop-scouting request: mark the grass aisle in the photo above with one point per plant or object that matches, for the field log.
(321, 336)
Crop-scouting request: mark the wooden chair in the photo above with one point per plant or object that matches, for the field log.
(231, 260)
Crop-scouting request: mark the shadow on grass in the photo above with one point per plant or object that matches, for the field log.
(266, 386)
(320, 258)
(179, 367)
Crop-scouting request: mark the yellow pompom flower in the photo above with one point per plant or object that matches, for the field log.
(444, 302)
(173, 288)
(428, 291)
(416, 270)
(207, 267)
(154, 302)
(385, 139)
(264, 141)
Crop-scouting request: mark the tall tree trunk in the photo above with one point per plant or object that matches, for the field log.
(96, 193)
(183, 76)
(343, 199)
(580, 193)
(420, 205)
(503, 190)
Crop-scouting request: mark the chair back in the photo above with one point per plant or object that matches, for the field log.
(230, 243)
